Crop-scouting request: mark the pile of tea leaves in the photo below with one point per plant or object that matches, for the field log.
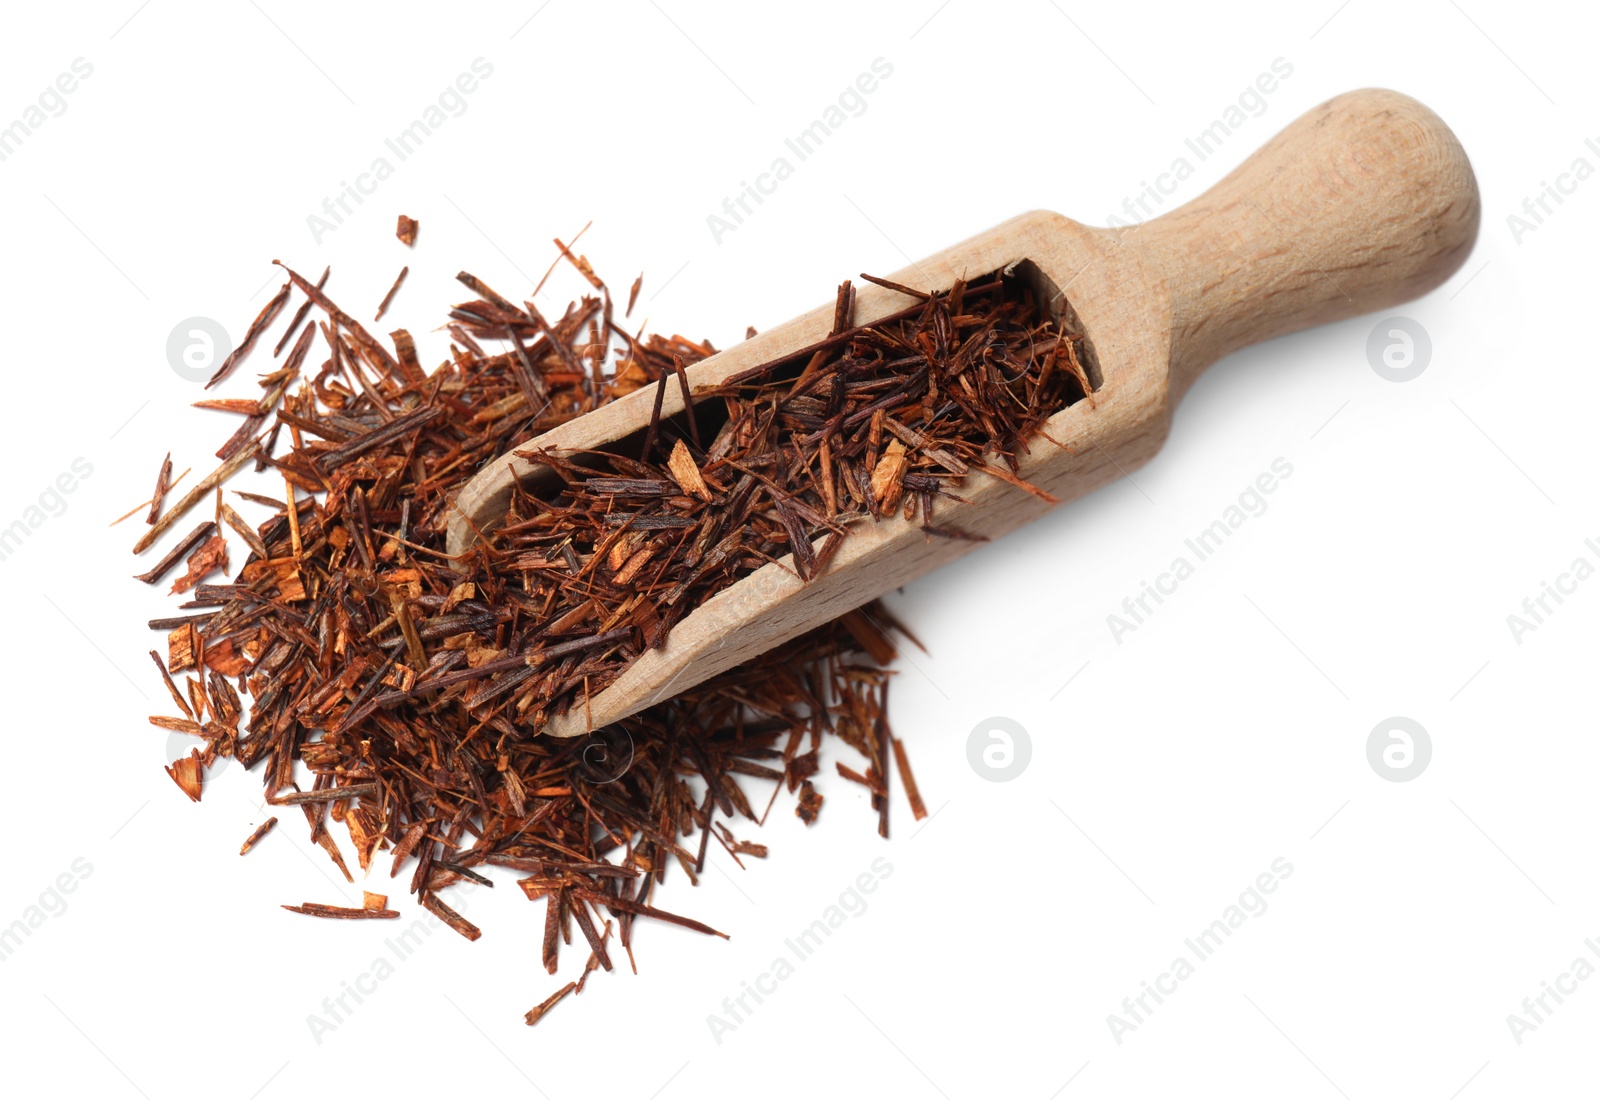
(401, 694)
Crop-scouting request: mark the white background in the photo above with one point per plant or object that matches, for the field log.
(1227, 731)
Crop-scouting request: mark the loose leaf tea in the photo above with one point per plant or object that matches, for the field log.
(401, 694)
(871, 421)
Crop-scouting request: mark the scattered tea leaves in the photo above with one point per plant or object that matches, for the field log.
(400, 694)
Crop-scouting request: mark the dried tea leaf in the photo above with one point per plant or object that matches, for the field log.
(537, 1012)
(187, 773)
(686, 473)
(455, 920)
(208, 558)
(888, 477)
(255, 838)
(163, 483)
(383, 306)
(252, 334)
(342, 912)
(809, 804)
(178, 553)
(909, 781)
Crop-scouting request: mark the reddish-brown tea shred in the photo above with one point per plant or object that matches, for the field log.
(299, 315)
(537, 1012)
(383, 306)
(456, 921)
(342, 912)
(255, 838)
(257, 327)
(909, 781)
(179, 551)
(163, 483)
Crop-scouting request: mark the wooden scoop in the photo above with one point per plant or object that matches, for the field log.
(1362, 203)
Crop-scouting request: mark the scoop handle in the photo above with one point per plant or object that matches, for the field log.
(1360, 204)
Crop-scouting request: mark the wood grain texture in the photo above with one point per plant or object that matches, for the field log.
(1360, 204)
(1364, 202)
